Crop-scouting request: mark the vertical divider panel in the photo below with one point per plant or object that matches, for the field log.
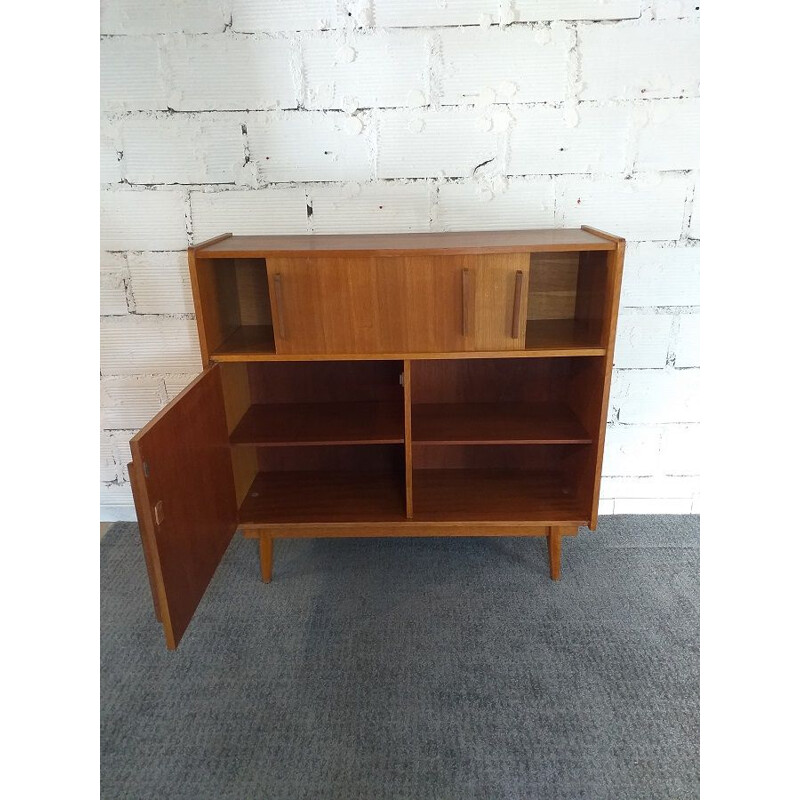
(408, 438)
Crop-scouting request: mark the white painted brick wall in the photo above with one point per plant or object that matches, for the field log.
(634, 61)
(378, 115)
(182, 149)
(309, 146)
(518, 64)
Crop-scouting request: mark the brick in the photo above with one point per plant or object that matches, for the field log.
(541, 141)
(676, 9)
(252, 16)
(654, 505)
(177, 383)
(130, 74)
(248, 212)
(113, 289)
(387, 69)
(155, 16)
(108, 463)
(637, 209)
(142, 220)
(643, 340)
(694, 223)
(670, 139)
(686, 342)
(632, 450)
(135, 345)
(160, 283)
(229, 72)
(654, 59)
(661, 276)
(423, 13)
(113, 297)
(373, 208)
(308, 146)
(183, 149)
(110, 146)
(130, 402)
(680, 450)
(664, 486)
(652, 396)
(509, 65)
(605, 507)
(421, 144)
(524, 203)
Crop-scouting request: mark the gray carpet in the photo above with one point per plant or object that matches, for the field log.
(438, 668)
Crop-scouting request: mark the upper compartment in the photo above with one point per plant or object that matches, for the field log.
(510, 293)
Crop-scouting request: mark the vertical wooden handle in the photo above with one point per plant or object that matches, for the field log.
(517, 304)
(464, 302)
(279, 305)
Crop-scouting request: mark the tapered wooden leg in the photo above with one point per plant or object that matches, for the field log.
(265, 551)
(554, 550)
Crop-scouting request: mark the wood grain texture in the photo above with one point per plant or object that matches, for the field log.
(396, 304)
(493, 495)
(497, 423)
(286, 424)
(183, 461)
(324, 496)
(408, 438)
(455, 243)
(407, 527)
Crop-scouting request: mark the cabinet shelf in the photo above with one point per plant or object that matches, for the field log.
(449, 495)
(563, 334)
(496, 423)
(283, 424)
(323, 496)
(247, 341)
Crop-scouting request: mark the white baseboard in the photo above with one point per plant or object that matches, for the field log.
(117, 513)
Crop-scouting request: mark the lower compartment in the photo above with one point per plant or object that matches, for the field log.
(494, 494)
(321, 496)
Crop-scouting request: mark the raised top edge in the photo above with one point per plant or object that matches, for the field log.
(451, 242)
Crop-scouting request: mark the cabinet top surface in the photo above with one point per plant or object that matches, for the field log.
(517, 241)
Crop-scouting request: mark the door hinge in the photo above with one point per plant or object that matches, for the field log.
(146, 469)
(402, 379)
(158, 512)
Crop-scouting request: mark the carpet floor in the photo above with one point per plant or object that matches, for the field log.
(402, 668)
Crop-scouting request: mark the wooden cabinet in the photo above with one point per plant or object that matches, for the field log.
(394, 385)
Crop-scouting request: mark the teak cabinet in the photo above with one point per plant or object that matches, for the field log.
(440, 384)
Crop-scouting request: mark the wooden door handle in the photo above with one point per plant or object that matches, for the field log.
(517, 304)
(464, 302)
(279, 305)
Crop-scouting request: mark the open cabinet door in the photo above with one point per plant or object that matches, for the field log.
(182, 479)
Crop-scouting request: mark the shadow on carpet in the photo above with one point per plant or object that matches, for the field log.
(411, 668)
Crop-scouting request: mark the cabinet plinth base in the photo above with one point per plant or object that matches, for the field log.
(266, 537)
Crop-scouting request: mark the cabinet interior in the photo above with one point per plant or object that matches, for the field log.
(567, 299)
(436, 439)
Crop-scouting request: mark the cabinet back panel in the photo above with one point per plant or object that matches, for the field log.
(552, 287)
(325, 381)
(491, 380)
(333, 458)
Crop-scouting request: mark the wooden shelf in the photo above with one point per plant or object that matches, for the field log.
(247, 341)
(323, 496)
(496, 423)
(283, 424)
(442, 495)
(571, 335)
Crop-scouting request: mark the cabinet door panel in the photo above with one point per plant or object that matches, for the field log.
(501, 283)
(397, 304)
(182, 479)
